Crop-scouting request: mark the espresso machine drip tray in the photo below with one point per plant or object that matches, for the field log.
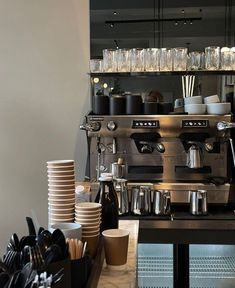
(211, 266)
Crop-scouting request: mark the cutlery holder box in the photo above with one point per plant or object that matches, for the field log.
(76, 272)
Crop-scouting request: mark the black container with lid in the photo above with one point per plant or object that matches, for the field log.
(165, 108)
(134, 104)
(151, 108)
(107, 197)
(100, 105)
(117, 105)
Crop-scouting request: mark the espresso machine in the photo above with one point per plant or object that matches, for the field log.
(190, 158)
(178, 153)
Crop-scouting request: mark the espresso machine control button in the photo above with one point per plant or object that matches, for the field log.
(112, 125)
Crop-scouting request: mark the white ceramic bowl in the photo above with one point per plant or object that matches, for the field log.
(193, 100)
(218, 108)
(195, 109)
(211, 99)
(70, 230)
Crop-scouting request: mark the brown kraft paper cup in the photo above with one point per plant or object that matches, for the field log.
(116, 246)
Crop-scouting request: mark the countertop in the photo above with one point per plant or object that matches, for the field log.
(126, 278)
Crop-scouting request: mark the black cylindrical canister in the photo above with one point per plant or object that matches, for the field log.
(165, 108)
(151, 108)
(117, 105)
(101, 105)
(134, 104)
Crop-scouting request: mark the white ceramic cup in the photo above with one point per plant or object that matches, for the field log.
(218, 108)
(193, 100)
(211, 99)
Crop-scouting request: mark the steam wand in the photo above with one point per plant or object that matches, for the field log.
(222, 126)
(98, 156)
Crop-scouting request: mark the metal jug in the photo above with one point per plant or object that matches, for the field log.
(123, 198)
(194, 157)
(198, 202)
(161, 202)
(141, 200)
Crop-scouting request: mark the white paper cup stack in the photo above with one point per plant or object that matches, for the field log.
(61, 187)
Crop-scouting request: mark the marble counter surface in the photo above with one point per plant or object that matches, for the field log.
(127, 278)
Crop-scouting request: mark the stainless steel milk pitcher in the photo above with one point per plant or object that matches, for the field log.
(194, 157)
(123, 198)
(198, 202)
(161, 202)
(141, 200)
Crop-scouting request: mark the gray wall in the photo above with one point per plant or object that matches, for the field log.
(44, 92)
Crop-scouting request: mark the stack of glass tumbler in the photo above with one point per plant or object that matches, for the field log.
(164, 59)
(61, 187)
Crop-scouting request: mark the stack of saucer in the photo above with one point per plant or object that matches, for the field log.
(88, 214)
(61, 183)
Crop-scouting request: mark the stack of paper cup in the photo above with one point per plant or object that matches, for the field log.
(61, 183)
(88, 214)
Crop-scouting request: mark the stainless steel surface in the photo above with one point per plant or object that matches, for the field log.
(141, 200)
(161, 202)
(155, 149)
(211, 266)
(169, 125)
(198, 202)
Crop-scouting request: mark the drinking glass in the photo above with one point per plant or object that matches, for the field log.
(96, 65)
(233, 58)
(166, 59)
(123, 60)
(180, 58)
(212, 57)
(137, 60)
(151, 59)
(110, 60)
(226, 58)
(196, 60)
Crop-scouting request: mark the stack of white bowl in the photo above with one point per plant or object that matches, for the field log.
(88, 214)
(61, 196)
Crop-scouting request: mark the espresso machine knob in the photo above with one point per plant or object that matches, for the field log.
(111, 126)
(91, 127)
